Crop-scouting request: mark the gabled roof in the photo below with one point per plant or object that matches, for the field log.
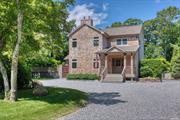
(120, 49)
(75, 30)
(123, 30)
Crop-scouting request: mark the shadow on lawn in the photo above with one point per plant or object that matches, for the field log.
(55, 96)
(106, 98)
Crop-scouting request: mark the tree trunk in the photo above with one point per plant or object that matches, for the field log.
(5, 79)
(14, 65)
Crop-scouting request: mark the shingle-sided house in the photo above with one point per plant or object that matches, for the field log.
(112, 53)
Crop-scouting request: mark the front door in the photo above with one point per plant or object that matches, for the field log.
(117, 65)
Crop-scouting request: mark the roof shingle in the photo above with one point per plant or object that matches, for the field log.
(123, 30)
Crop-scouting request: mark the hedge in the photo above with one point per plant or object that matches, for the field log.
(82, 76)
(153, 67)
(176, 68)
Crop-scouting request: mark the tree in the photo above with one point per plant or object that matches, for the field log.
(15, 56)
(163, 31)
(6, 25)
(38, 22)
(130, 21)
(167, 30)
(116, 24)
(133, 21)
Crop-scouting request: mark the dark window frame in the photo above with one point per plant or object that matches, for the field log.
(122, 41)
(74, 43)
(96, 41)
(74, 63)
(95, 63)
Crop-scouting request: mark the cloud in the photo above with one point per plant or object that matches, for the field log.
(80, 11)
(105, 6)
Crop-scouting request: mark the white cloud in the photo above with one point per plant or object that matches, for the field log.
(86, 10)
(105, 6)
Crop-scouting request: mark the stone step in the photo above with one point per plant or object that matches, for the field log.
(113, 78)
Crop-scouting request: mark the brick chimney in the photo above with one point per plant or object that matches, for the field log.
(87, 21)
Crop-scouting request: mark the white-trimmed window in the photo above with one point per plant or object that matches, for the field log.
(122, 41)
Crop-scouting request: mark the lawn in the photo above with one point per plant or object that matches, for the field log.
(57, 103)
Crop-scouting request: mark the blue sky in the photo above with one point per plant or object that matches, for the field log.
(104, 12)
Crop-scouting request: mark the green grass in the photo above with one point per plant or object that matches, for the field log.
(57, 103)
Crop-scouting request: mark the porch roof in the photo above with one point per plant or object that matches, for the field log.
(66, 58)
(119, 49)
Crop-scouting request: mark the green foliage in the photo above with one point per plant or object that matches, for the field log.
(162, 31)
(176, 68)
(176, 53)
(24, 79)
(116, 24)
(133, 21)
(130, 21)
(154, 67)
(82, 76)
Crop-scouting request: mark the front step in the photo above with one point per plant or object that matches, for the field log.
(113, 78)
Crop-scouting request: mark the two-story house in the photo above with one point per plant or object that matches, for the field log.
(112, 53)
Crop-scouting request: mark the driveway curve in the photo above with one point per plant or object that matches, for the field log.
(125, 101)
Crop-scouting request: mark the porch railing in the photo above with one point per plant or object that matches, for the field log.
(128, 70)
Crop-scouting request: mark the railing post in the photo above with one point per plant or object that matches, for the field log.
(124, 69)
(132, 61)
(125, 60)
(106, 61)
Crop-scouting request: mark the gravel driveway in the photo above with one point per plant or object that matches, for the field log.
(125, 101)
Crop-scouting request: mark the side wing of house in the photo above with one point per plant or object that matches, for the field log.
(83, 44)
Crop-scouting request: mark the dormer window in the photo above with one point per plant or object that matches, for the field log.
(122, 41)
(74, 42)
(96, 41)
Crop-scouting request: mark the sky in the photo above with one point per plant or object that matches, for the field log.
(105, 12)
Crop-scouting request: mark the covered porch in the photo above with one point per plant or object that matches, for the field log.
(118, 61)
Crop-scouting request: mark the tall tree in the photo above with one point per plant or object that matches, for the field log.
(38, 22)
(130, 21)
(133, 21)
(15, 56)
(116, 24)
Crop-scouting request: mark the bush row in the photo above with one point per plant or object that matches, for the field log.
(153, 67)
(82, 76)
(176, 68)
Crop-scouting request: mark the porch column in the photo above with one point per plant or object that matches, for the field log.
(99, 69)
(132, 61)
(125, 60)
(106, 61)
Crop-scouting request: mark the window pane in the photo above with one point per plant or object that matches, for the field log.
(96, 64)
(96, 42)
(119, 42)
(74, 65)
(124, 41)
(74, 44)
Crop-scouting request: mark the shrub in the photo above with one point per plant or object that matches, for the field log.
(154, 67)
(82, 76)
(24, 74)
(176, 68)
